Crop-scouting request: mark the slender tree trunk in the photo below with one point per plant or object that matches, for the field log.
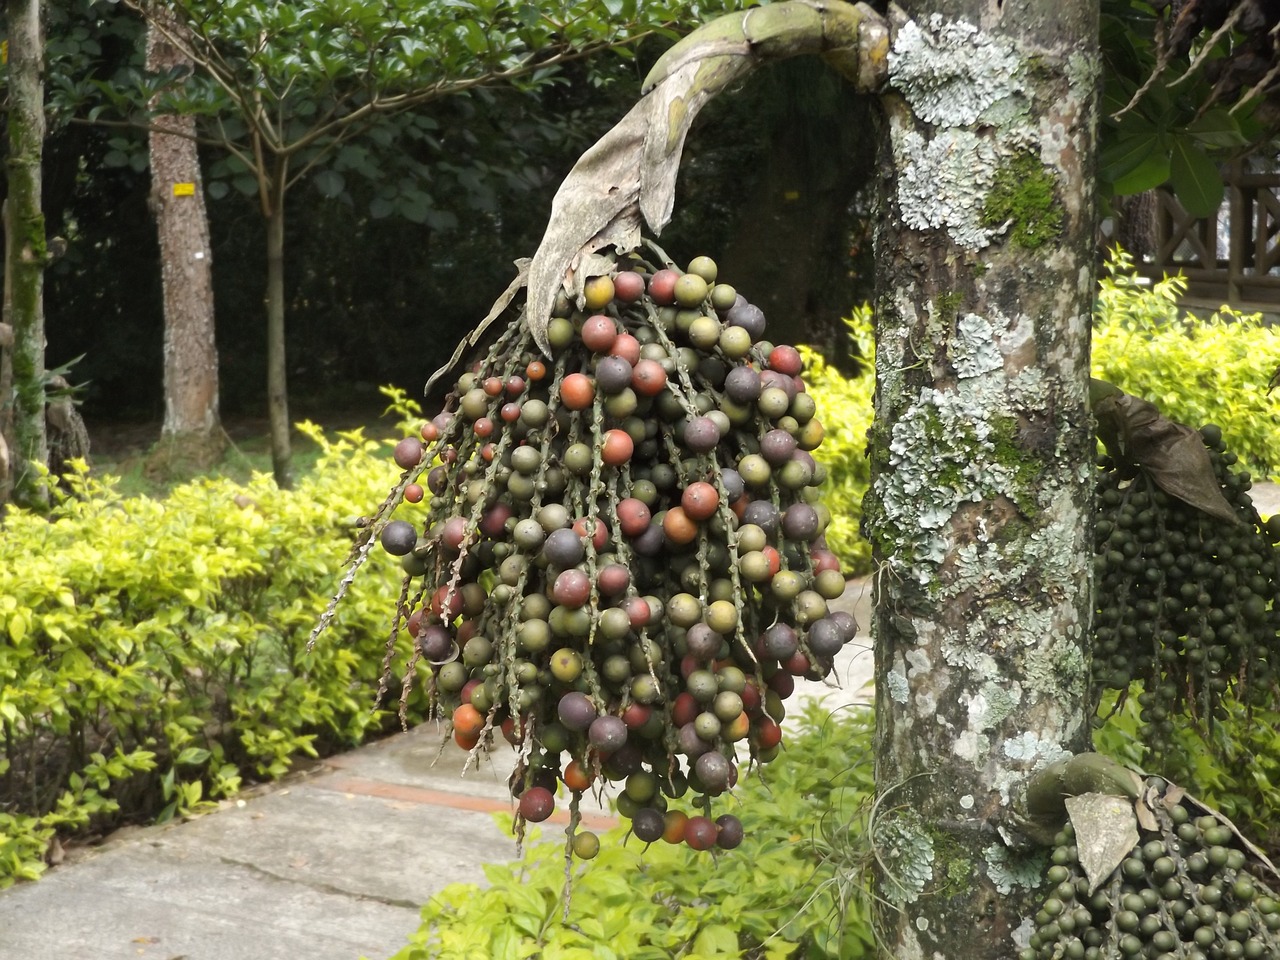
(277, 371)
(192, 432)
(25, 254)
(981, 455)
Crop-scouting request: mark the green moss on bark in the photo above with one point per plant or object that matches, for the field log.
(1024, 195)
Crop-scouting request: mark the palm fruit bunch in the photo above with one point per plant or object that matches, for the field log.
(1190, 889)
(1187, 603)
(621, 564)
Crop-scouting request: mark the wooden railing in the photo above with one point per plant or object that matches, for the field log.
(1246, 273)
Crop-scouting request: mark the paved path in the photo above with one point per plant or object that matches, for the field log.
(331, 864)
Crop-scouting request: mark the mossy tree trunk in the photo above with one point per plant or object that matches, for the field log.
(981, 456)
(25, 253)
(192, 431)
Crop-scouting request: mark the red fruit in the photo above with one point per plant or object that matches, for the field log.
(464, 741)
(627, 347)
(492, 386)
(510, 412)
(571, 589)
(466, 630)
(638, 610)
(515, 386)
(700, 833)
(678, 527)
(453, 532)
(824, 560)
(438, 601)
(750, 697)
(598, 333)
(673, 826)
(648, 378)
(684, 709)
(408, 452)
(613, 579)
(769, 733)
(536, 804)
(775, 560)
(577, 391)
(700, 500)
(785, 360)
(576, 776)
(599, 538)
(618, 448)
(636, 715)
(414, 493)
(535, 370)
(494, 521)
(430, 432)
(688, 664)
(465, 692)
(628, 286)
(797, 665)
(662, 287)
(782, 683)
(633, 517)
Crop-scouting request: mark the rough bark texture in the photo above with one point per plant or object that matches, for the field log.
(277, 372)
(192, 431)
(981, 457)
(25, 253)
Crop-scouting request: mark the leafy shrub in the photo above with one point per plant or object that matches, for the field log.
(782, 893)
(844, 409)
(154, 651)
(1196, 371)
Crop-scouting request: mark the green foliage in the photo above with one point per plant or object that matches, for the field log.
(154, 650)
(781, 894)
(1196, 371)
(844, 409)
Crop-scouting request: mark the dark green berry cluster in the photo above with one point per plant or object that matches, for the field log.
(1186, 603)
(1187, 891)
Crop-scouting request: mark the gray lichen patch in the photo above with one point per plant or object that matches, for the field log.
(974, 350)
(1008, 869)
(943, 183)
(905, 851)
(951, 72)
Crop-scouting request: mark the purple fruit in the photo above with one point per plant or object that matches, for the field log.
(742, 385)
(691, 745)
(607, 733)
(407, 453)
(825, 637)
(713, 771)
(746, 315)
(435, 642)
(651, 542)
(613, 375)
(732, 481)
(763, 514)
(779, 641)
(704, 643)
(648, 824)
(701, 435)
(848, 626)
(776, 447)
(800, 522)
(398, 537)
(563, 548)
(730, 832)
(576, 711)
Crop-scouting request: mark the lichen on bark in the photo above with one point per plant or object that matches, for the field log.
(979, 504)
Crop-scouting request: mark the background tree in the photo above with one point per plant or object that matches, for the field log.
(26, 252)
(192, 431)
(289, 90)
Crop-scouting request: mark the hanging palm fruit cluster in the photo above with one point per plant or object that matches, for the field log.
(1188, 585)
(621, 564)
(1190, 888)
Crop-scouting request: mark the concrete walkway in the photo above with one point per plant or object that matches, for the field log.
(330, 864)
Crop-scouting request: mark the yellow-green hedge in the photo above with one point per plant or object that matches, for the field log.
(152, 651)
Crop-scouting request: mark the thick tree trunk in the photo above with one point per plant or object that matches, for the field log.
(192, 432)
(25, 253)
(981, 457)
(277, 378)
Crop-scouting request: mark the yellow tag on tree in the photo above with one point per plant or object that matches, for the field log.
(184, 189)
